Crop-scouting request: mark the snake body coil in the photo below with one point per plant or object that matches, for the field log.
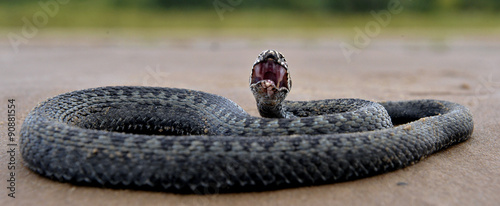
(189, 141)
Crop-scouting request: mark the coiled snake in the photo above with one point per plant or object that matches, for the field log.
(182, 140)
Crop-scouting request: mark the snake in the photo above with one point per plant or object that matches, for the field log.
(186, 141)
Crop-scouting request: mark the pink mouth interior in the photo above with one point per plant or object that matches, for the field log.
(270, 70)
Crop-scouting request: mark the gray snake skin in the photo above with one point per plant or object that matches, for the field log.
(189, 141)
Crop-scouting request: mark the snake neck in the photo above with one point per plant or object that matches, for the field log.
(270, 99)
(273, 111)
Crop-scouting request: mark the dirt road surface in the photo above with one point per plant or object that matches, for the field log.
(466, 71)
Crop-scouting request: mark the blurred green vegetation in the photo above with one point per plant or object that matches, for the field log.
(336, 6)
(345, 6)
(245, 14)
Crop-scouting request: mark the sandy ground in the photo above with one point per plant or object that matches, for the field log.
(466, 71)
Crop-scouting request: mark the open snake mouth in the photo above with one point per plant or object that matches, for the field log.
(272, 72)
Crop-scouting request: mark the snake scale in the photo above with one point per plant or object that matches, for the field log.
(181, 140)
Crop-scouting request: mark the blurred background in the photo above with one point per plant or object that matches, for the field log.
(160, 37)
(254, 19)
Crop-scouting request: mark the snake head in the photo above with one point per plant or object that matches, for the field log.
(270, 79)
